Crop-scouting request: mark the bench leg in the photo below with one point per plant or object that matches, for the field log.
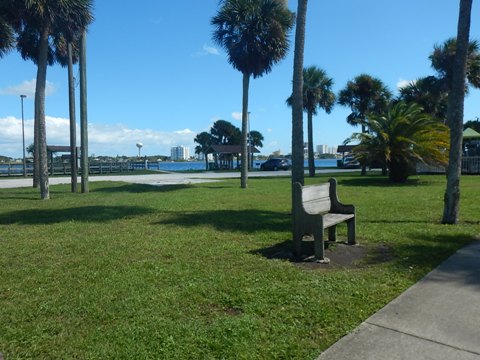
(332, 233)
(351, 231)
(297, 244)
(319, 246)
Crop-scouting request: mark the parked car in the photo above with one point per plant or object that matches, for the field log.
(275, 164)
(350, 162)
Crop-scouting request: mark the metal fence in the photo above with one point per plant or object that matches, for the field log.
(470, 165)
(65, 169)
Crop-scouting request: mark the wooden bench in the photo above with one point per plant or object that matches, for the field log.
(316, 208)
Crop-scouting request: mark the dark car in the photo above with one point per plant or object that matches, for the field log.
(275, 164)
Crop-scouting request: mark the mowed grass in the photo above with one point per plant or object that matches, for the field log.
(142, 272)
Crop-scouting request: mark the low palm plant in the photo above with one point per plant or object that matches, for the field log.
(401, 137)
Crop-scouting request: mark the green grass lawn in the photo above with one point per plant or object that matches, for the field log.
(143, 272)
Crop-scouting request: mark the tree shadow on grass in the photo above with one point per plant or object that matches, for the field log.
(377, 181)
(244, 221)
(139, 188)
(83, 213)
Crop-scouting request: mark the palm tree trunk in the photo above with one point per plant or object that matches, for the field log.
(297, 96)
(40, 114)
(455, 115)
(73, 123)
(244, 165)
(311, 153)
(297, 118)
(364, 166)
(206, 161)
(83, 112)
(36, 149)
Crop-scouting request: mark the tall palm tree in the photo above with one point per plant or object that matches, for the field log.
(297, 119)
(401, 137)
(42, 21)
(456, 98)
(317, 94)
(364, 95)
(255, 35)
(204, 141)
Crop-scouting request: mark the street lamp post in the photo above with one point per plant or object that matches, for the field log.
(23, 138)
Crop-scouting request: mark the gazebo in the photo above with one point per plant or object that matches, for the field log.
(471, 142)
(224, 154)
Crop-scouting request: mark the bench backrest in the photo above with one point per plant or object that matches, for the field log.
(316, 198)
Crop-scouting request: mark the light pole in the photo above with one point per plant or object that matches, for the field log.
(23, 138)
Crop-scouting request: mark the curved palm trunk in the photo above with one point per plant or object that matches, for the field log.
(206, 161)
(311, 153)
(244, 164)
(40, 115)
(455, 116)
(297, 117)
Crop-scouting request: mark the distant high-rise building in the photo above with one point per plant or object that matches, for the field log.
(322, 149)
(179, 153)
(332, 150)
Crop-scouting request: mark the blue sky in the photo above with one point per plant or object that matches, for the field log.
(156, 77)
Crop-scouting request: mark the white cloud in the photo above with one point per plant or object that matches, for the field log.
(207, 50)
(103, 139)
(403, 83)
(210, 50)
(237, 115)
(27, 88)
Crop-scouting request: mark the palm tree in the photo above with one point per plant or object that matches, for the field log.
(461, 70)
(317, 93)
(364, 95)
(429, 93)
(40, 21)
(204, 141)
(254, 34)
(400, 138)
(297, 119)
(7, 39)
(443, 61)
(256, 140)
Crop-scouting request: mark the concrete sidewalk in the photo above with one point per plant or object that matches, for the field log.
(173, 178)
(437, 318)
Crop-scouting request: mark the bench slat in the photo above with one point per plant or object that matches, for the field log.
(316, 198)
(317, 206)
(333, 219)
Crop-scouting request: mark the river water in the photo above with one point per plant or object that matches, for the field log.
(200, 165)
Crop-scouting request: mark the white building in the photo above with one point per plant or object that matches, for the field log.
(325, 149)
(322, 149)
(179, 153)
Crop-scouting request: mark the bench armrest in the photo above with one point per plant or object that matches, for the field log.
(336, 206)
